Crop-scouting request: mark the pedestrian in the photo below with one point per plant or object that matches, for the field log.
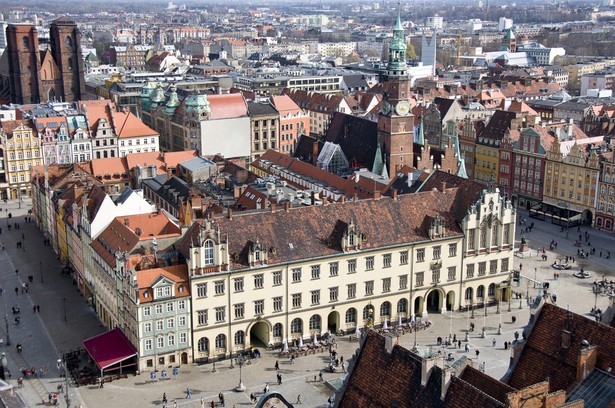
(266, 389)
(279, 379)
(454, 338)
(458, 343)
(188, 393)
(516, 335)
(277, 365)
(202, 402)
(164, 397)
(34, 308)
(298, 399)
(493, 343)
(342, 360)
(252, 398)
(212, 404)
(320, 376)
(38, 308)
(175, 404)
(477, 353)
(221, 398)
(102, 382)
(292, 359)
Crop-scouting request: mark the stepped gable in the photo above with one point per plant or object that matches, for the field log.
(303, 232)
(545, 355)
(489, 385)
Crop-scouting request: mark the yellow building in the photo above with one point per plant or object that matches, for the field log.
(22, 151)
(571, 176)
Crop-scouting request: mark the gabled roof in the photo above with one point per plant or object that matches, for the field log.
(285, 105)
(175, 273)
(499, 123)
(128, 125)
(304, 232)
(227, 106)
(545, 357)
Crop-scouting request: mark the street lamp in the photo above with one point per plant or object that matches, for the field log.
(6, 319)
(63, 368)
(64, 304)
(240, 360)
(40, 264)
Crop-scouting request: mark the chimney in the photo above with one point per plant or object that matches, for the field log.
(443, 186)
(127, 222)
(394, 194)
(389, 342)
(315, 153)
(230, 214)
(570, 127)
(272, 208)
(287, 207)
(343, 199)
(325, 201)
(355, 197)
(427, 365)
(586, 360)
(376, 194)
(313, 198)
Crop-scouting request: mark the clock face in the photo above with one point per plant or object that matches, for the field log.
(402, 108)
(385, 108)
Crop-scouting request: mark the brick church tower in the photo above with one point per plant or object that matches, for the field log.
(395, 120)
(34, 75)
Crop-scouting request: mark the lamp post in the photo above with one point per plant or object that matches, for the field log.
(63, 368)
(240, 360)
(6, 319)
(40, 265)
(64, 306)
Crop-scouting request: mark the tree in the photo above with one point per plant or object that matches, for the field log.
(410, 52)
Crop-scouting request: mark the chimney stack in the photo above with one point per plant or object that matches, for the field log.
(376, 194)
(272, 208)
(230, 214)
(443, 186)
(325, 201)
(394, 194)
(287, 206)
(343, 199)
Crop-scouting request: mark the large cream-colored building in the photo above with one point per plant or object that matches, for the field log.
(258, 278)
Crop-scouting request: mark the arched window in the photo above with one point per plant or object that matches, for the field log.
(239, 338)
(277, 330)
(368, 312)
(221, 342)
(70, 63)
(69, 41)
(469, 293)
(491, 289)
(385, 309)
(402, 306)
(480, 292)
(315, 322)
(296, 326)
(25, 42)
(351, 315)
(203, 345)
(209, 252)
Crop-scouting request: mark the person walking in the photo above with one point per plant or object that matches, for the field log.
(164, 397)
(188, 395)
(493, 343)
(202, 402)
(277, 365)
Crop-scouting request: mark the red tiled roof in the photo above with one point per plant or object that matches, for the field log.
(285, 105)
(128, 125)
(227, 106)
(543, 356)
(176, 273)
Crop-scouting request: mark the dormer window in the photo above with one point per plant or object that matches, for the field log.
(145, 295)
(257, 255)
(163, 292)
(351, 240)
(209, 252)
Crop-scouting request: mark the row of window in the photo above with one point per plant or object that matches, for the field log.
(160, 324)
(137, 141)
(21, 156)
(162, 341)
(160, 308)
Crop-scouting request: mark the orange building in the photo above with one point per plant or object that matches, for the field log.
(294, 121)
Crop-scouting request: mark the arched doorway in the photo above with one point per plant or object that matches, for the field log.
(333, 322)
(184, 358)
(450, 300)
(418, 305)
(434, 301)
(588, 217)
(259, 334)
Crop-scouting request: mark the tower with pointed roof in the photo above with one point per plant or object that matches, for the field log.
(395, 121)
(510, 41)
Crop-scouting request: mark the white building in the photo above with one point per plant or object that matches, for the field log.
(436, 22)
(504, 23)
(341, 266)
(540, 54)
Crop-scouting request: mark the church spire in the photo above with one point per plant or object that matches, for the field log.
(396, 66)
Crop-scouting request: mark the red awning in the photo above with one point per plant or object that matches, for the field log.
(110, 348)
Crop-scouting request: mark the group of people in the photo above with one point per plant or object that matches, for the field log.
(202, 402)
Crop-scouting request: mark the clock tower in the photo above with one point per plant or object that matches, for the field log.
(395, 121)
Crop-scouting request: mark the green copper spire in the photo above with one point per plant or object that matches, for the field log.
(397, 49)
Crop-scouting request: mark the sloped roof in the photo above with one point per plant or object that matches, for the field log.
(498, 124)
(304, 232)
(543, 356)
(175, 273)
(285, 105)
(262, 109)
(227, 106)
(128, 125)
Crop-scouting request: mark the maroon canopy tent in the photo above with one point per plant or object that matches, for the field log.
(109, 349)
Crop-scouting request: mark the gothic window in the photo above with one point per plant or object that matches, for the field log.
(26, 43)
(69, 41)
(209, 252)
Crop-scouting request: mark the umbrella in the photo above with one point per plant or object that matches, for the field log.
(385, 326)
(285, 349)
(315, 340)
(399, 321)
(301, 341)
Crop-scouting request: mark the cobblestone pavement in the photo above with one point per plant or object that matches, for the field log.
(66, 320)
